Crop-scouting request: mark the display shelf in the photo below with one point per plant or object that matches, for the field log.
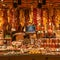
(43, 46)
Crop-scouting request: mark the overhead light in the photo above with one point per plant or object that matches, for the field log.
(15, 4)
(39, 4)
(1, 0)
(40, 1)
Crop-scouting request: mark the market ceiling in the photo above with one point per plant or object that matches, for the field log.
(27, 3)
(32, 0)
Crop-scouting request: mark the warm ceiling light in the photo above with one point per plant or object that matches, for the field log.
(40, 1)
(39, 4)
(1, 0)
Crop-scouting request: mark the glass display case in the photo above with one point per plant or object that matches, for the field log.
(43, 46)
